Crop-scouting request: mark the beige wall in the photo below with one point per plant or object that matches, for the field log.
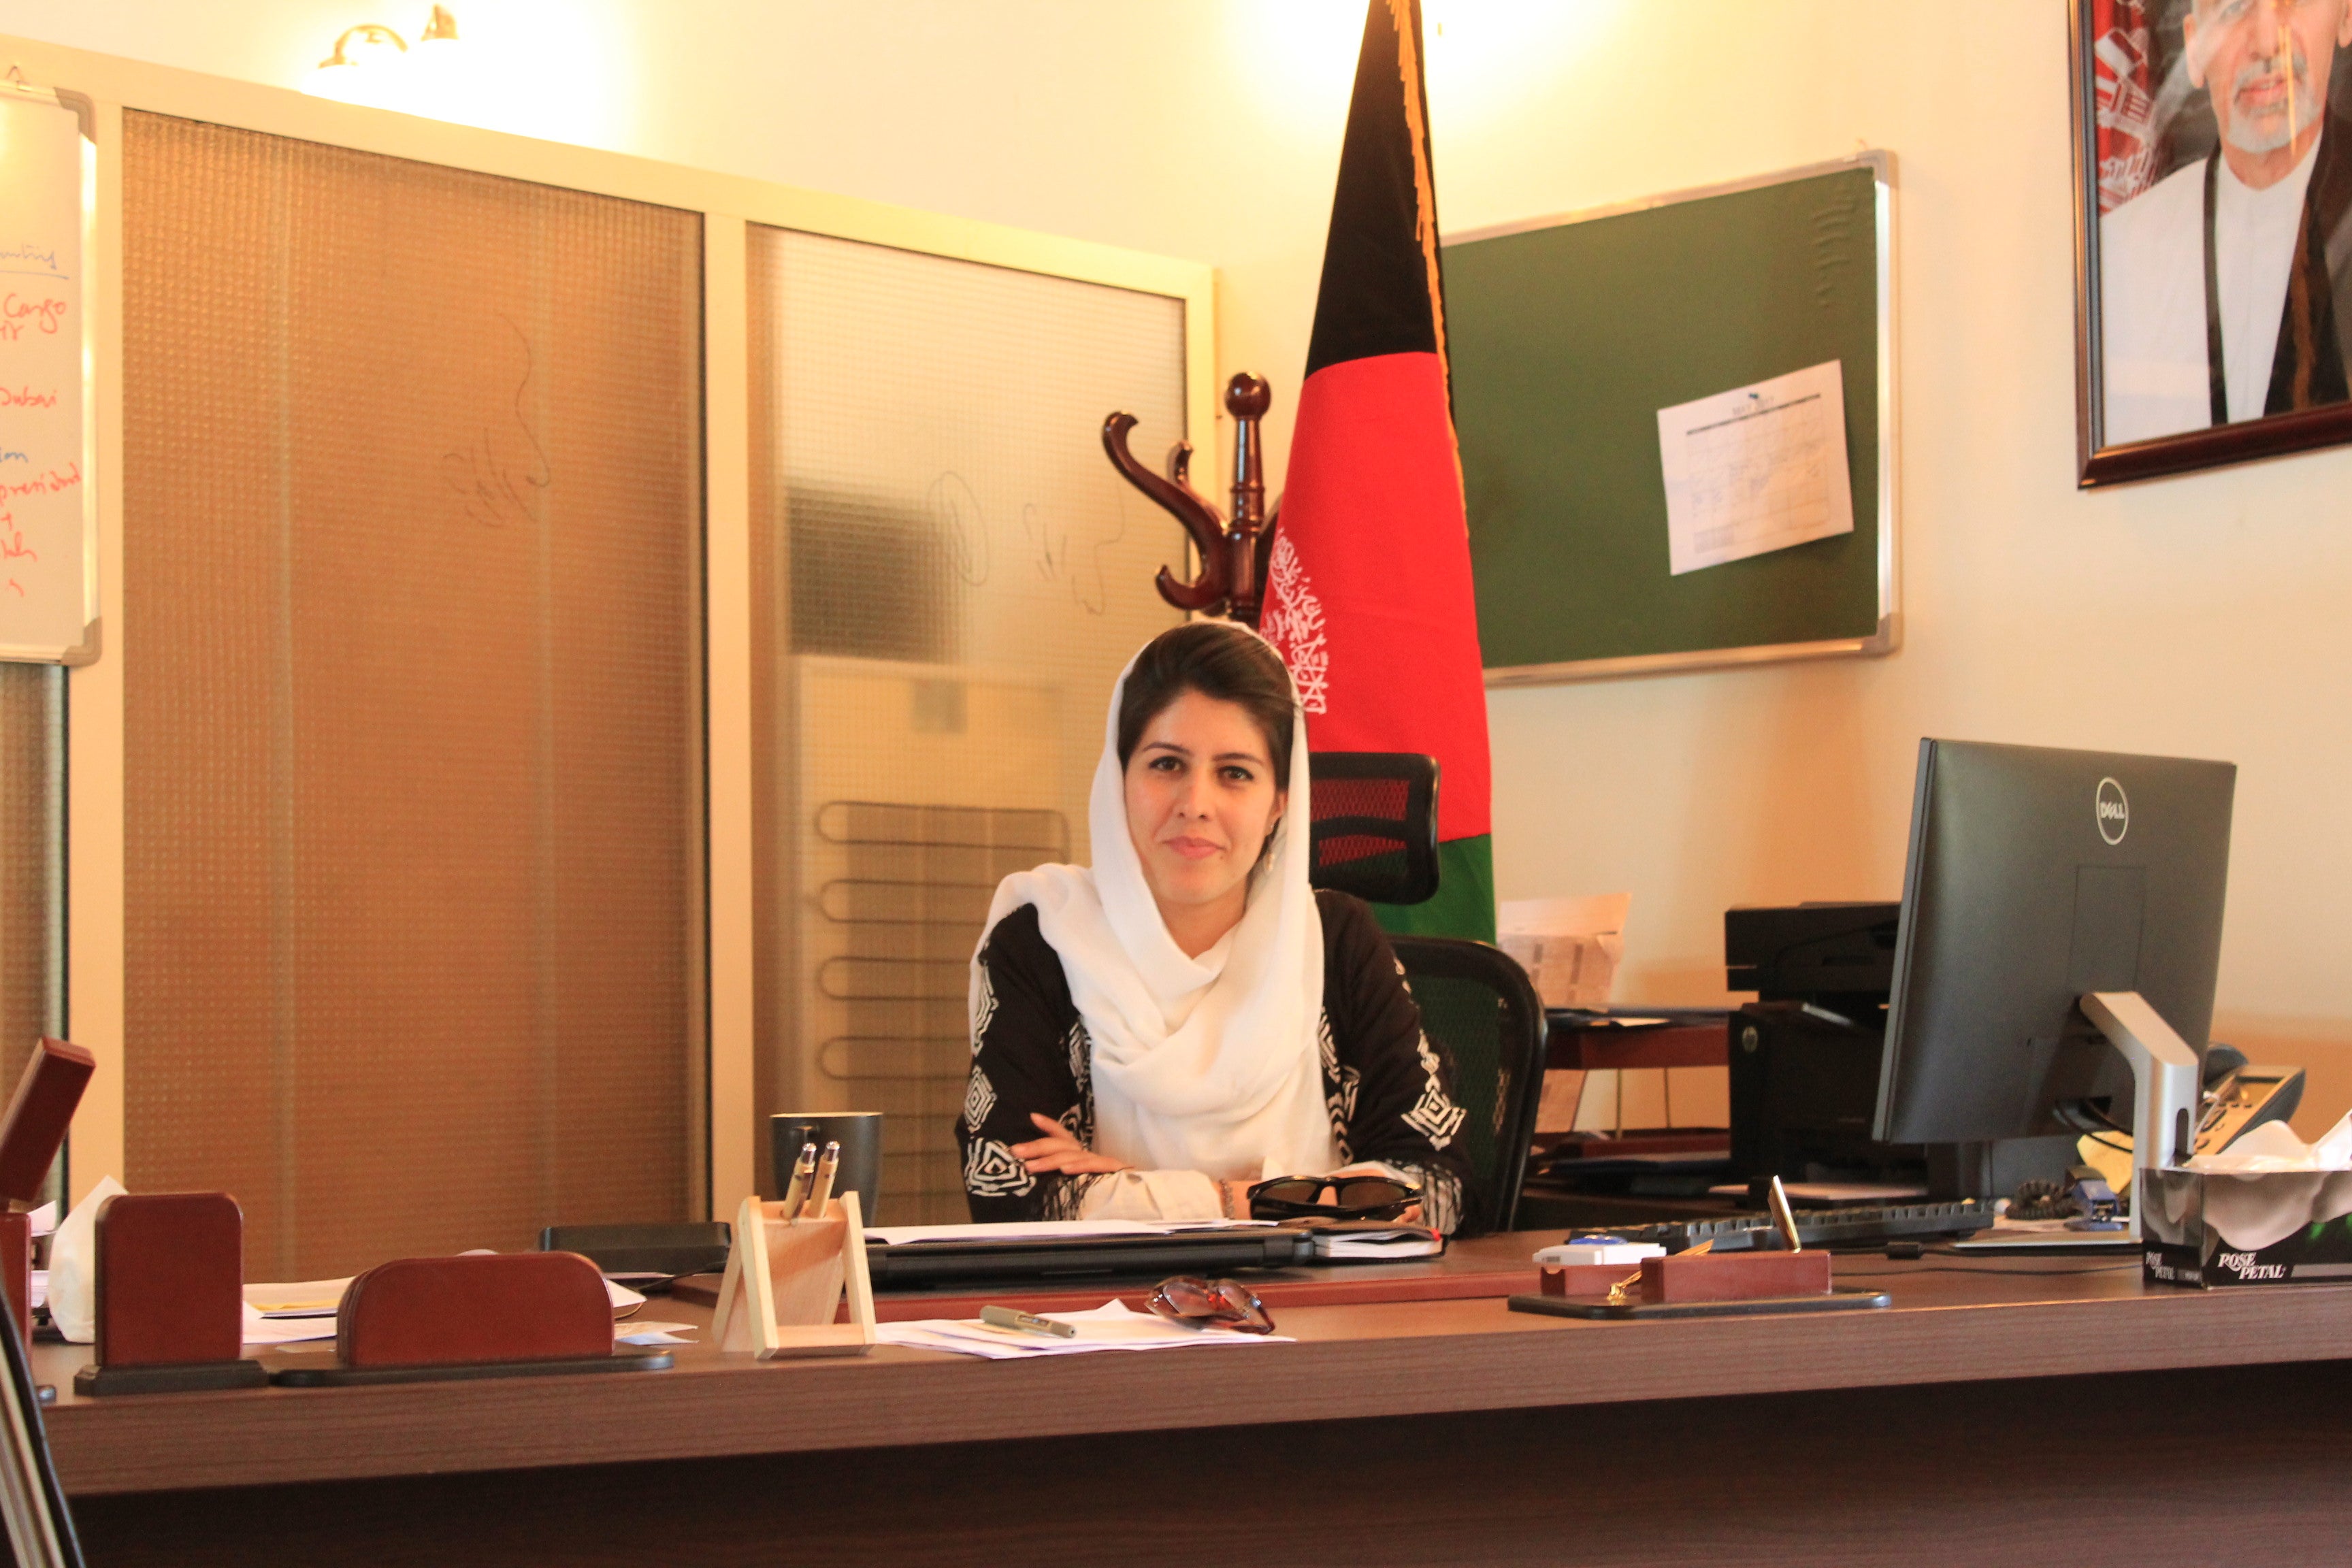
(2200, 615)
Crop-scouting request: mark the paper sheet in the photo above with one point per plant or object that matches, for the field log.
(1757, 469)
(302, 1299)
(1569, 947)
(1109, 1327)
(261, 1330)
(636, 1333)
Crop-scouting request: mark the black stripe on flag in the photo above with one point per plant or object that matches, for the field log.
(1374, 297)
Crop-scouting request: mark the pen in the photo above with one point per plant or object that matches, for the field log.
(1783, 1219)
(1028, 1322)
(821, 1190)
(803, 1169)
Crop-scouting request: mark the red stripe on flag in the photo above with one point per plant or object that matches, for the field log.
(1373, 515)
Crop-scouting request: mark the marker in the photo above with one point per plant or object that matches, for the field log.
(1026, 1323)
(821, 1190)
(796, 1194)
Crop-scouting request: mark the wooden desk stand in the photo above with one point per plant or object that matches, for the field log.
(39, 1115)
(785, 1277)
(17, 1269)
(171, 1301)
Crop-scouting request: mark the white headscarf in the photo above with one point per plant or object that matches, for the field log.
(1206, 1064)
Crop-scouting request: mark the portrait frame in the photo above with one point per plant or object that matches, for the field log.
(2101, 461)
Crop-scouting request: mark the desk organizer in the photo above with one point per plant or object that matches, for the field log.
(786, 1280)
(486, 1314)
(170, 1296)
(1693, 1285)
(1703, 1276)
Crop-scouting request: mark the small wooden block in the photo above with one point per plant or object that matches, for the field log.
(170, 1280)
(1735, 1275)
(43, 1108)
(483, 1308)
(17, 1269)
(1584, 1278)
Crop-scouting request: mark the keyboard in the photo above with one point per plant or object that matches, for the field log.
(1860, 1226)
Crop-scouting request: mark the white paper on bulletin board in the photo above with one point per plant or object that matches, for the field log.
(1756, 469)
(48, 509)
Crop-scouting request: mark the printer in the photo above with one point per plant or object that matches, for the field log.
(1805, 1054)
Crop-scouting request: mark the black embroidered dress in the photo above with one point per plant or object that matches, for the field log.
(1388, 1090)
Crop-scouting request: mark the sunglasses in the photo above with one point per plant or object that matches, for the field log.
(1351, 1197)
(1210, 1304)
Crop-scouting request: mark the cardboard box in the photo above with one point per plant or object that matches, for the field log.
(2276, 1228)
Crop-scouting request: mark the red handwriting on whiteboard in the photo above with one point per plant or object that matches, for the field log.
(27, 310)
(26, 397)
(47, 484)
(12, 544)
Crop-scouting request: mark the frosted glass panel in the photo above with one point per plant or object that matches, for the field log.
(413, 801)
(32, 861)
(950, 578)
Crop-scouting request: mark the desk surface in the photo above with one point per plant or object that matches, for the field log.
(1950, 1323)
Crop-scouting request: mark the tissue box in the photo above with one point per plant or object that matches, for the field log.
(2278, 1228)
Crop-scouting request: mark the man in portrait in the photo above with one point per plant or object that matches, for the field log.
(2218, 283)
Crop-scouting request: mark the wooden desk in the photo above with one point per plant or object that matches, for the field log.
(2016, 1412)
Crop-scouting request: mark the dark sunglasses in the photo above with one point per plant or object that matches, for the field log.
(1352, 1197)
(1210, 1303)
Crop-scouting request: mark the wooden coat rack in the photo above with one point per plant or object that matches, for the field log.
(1234, 550)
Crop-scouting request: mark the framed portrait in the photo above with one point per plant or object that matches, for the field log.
(2213, 232)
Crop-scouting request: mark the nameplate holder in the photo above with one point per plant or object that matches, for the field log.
(1734, 1276)
(788, 1279)
(478, 1315)
(170, 1296)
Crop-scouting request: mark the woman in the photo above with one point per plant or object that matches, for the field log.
(1152, 1034)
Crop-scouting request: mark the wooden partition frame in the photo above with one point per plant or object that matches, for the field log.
(727, 203)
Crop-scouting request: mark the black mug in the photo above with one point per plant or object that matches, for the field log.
(859, 1133)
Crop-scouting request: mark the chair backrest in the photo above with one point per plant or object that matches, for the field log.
(687, 1246)
(1481, 1012)
(1373, 824)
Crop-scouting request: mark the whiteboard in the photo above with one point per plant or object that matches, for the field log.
(49, 449)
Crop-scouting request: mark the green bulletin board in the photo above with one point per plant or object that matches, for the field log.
(1568, 335)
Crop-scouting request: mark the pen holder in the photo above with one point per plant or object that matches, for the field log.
(786, 1279)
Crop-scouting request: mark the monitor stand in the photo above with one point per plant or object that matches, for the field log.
(2164, 1096)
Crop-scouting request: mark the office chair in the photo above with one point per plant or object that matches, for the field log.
(685, 1247)
(1372, 828)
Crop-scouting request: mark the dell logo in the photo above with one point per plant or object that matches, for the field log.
(2111, 810)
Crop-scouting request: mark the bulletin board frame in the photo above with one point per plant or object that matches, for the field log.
(1610, 543)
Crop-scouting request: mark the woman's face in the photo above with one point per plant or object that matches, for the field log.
(1200, 800)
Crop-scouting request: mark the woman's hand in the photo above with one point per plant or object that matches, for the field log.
(1057, 1151)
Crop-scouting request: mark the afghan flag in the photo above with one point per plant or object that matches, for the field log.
(1368, 594)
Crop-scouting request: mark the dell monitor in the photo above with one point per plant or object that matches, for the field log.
(2062, 924)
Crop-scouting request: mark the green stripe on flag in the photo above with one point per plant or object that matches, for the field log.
(1464, 904)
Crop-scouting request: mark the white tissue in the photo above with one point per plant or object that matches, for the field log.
(73, 1267)
(2273, 1147)
(2283, 1184)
